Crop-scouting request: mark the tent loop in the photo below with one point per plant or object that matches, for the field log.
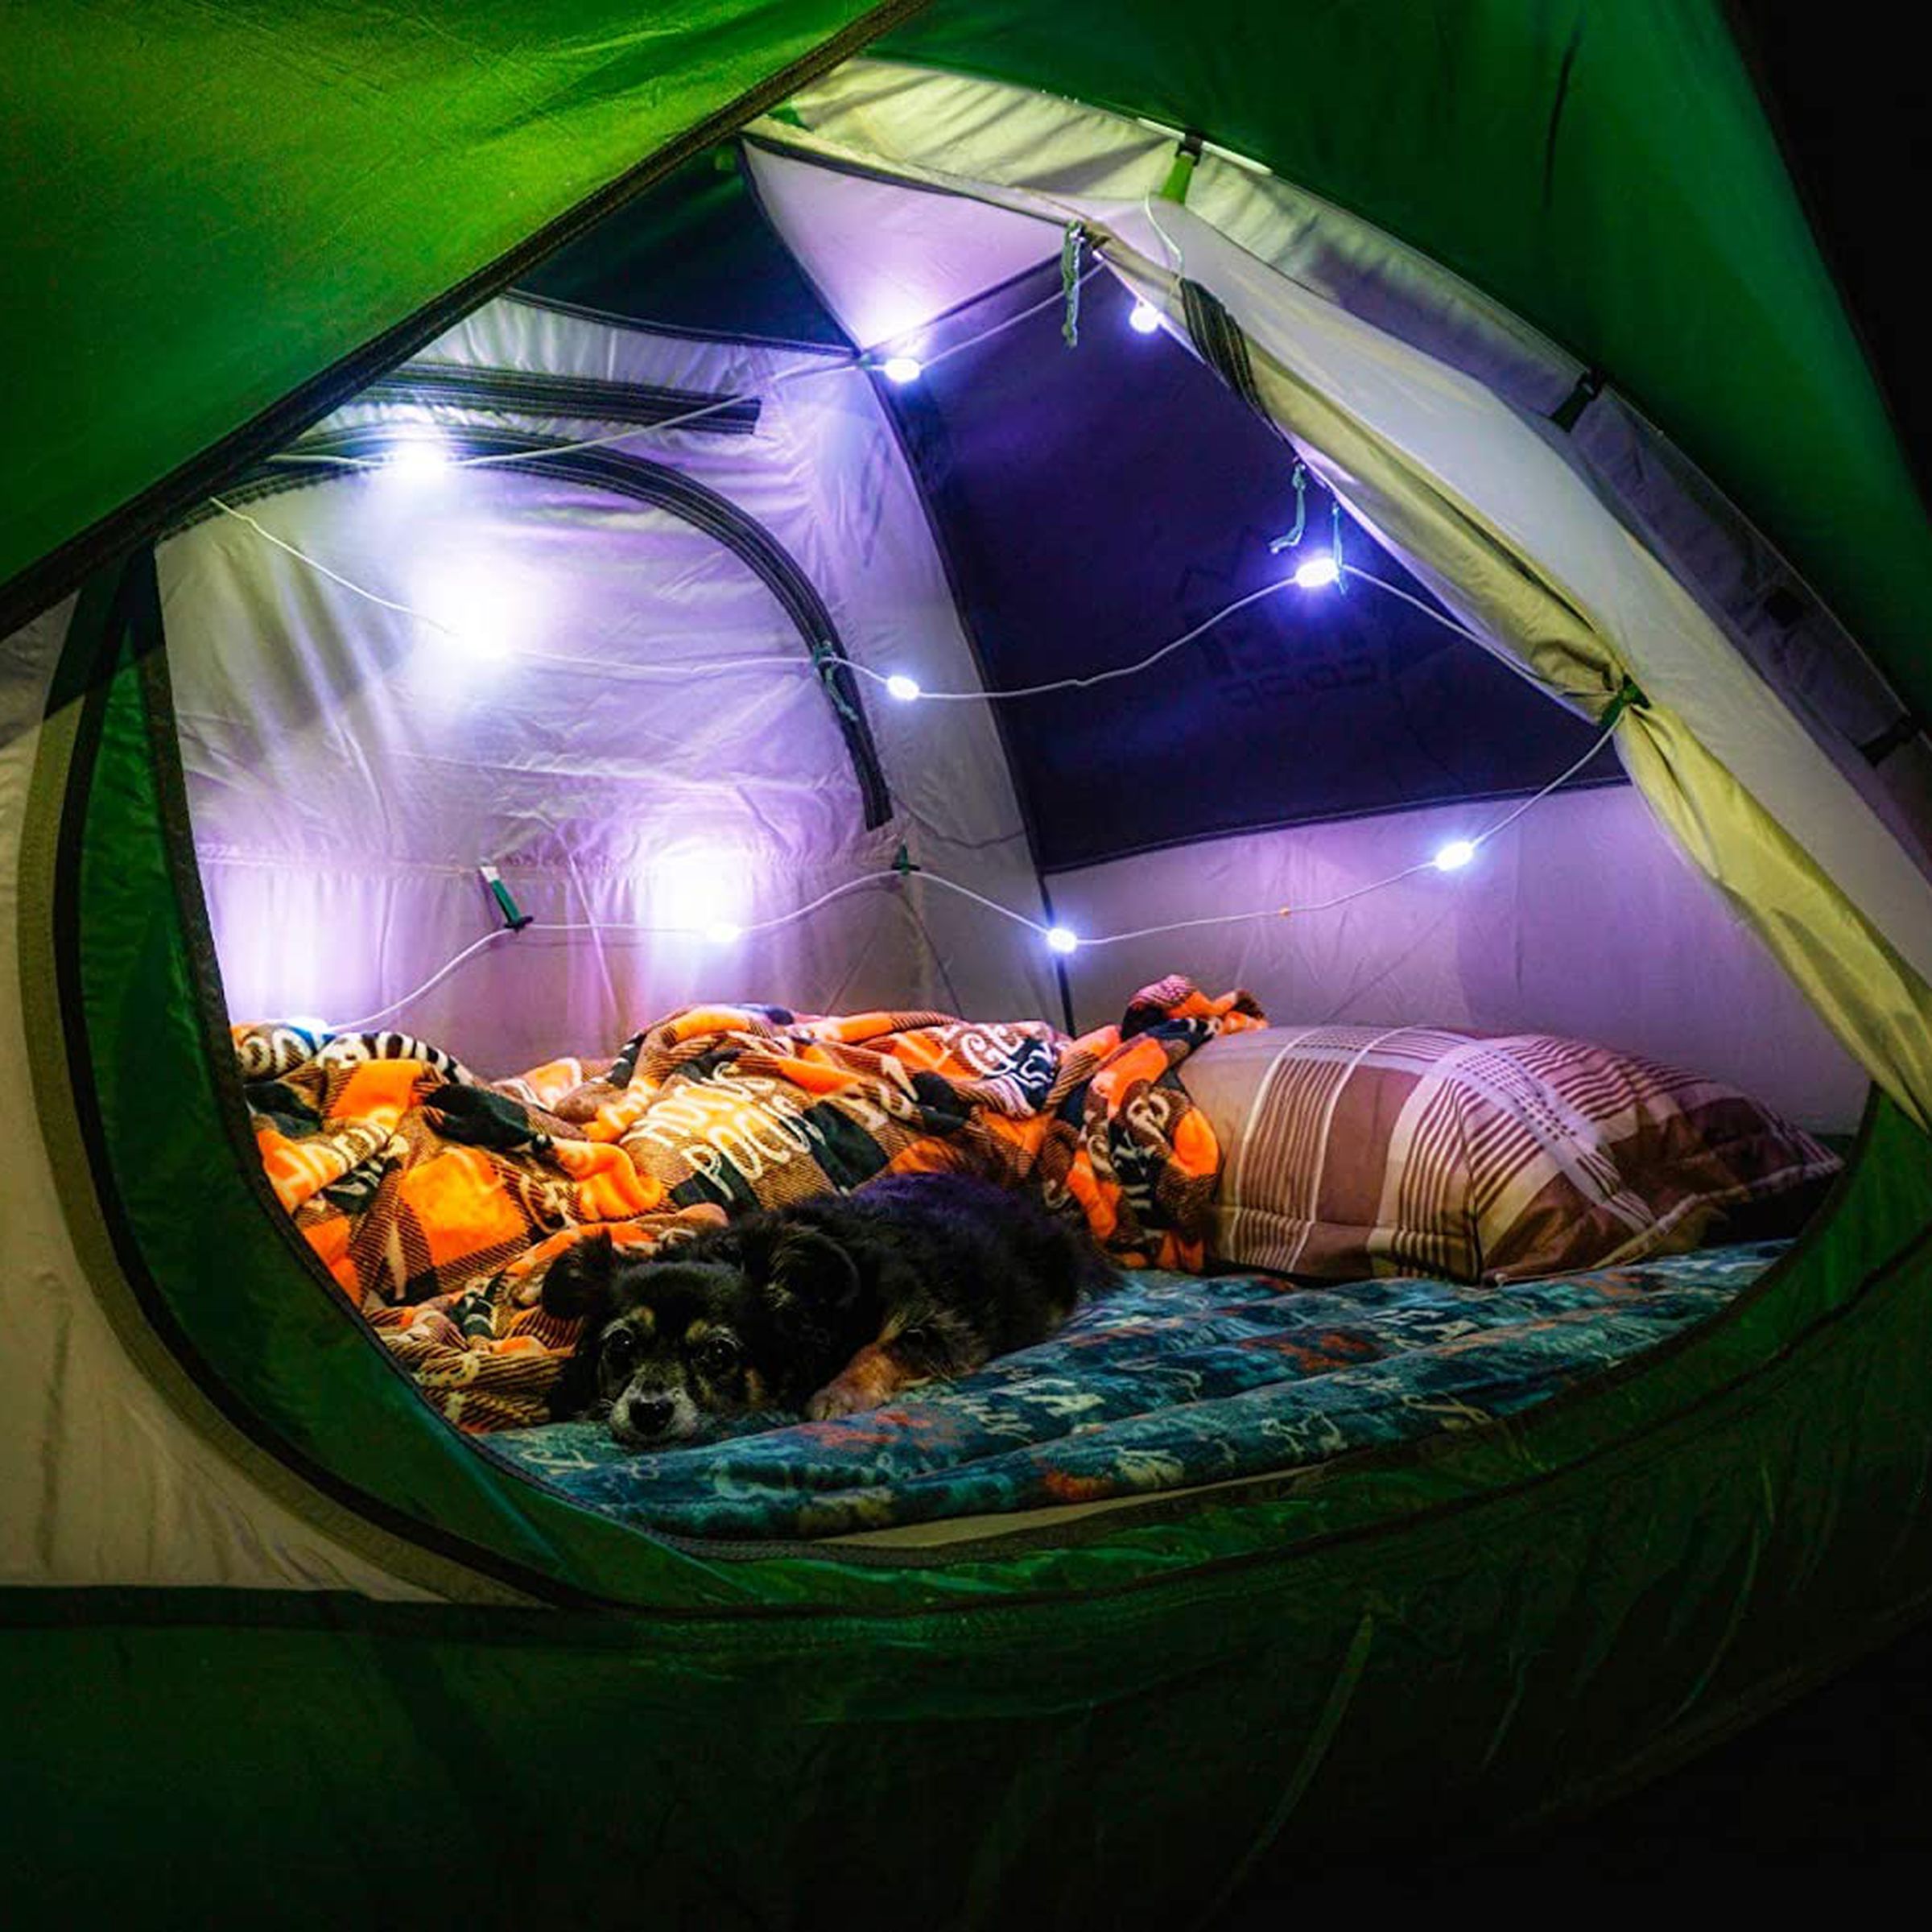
(828, 661)
(1293, 540)
(1629, 697)
(1180, 176)
(515, 918)
(1589, 386)
(1071, 242)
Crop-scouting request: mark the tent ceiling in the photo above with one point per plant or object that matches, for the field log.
(1096, 503)
(889, 258)
(1567, 159)
(1093, 504)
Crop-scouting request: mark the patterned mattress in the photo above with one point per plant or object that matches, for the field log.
(1168, 1381)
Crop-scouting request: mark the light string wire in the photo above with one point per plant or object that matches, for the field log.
(891, 681)
(1080, 943)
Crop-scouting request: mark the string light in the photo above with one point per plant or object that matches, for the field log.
(1315, 573)
(1062, 940)
(908, 690)
(420, 457)
(425, 454)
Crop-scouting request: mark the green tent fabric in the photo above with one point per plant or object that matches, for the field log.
(208, 211)
(354, 1668)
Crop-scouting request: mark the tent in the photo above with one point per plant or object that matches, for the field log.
(1472, 297)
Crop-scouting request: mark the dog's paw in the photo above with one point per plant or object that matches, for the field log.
(838, 1398)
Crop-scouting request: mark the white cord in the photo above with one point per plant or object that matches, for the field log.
(615, 928)
(303, 556)
(718, 666)
(1093, 678)
(436, 978)
(1428, 610)
(1052, 300)
(1179, 264)
(721, 665)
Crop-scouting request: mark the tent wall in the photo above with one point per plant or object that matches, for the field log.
(1051, 158)
(112, 1469)
(1583, 918)
(342, 803)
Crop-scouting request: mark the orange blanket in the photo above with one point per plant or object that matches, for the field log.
(437, 1200)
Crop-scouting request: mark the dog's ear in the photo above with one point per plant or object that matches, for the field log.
(580, 1280)
(809, 1269)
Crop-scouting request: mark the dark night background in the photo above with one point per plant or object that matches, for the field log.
(1837, 1787)
(1854, 111)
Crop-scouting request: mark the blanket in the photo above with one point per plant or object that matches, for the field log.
(1166, 1383)
(437, 1200)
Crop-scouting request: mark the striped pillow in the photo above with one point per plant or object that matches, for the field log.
(1357, 1150)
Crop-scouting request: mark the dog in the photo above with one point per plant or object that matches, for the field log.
(827, 1307)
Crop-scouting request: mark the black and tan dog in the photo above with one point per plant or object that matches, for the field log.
(828, 1308)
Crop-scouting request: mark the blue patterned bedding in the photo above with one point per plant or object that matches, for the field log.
(1168, 1381)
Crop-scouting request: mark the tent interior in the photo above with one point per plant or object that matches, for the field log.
(597, 597)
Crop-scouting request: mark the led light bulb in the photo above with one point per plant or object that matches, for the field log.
(1455, 855)
(422, 456)
(722, 932)
(1061, 939)
(903, 369)
(1317, 573)
(1143, 318)
(904, 688)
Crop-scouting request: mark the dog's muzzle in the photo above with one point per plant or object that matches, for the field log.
(644, 1417)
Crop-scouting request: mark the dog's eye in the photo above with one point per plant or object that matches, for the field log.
(718, 1357)
(619, 1346)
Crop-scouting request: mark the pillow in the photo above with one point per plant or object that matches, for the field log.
(1359, 1150)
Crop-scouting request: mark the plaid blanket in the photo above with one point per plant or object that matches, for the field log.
(437, 1200)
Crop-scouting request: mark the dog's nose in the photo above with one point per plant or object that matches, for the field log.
(648, 1414)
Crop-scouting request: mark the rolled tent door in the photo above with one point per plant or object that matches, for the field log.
(1500, 522)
